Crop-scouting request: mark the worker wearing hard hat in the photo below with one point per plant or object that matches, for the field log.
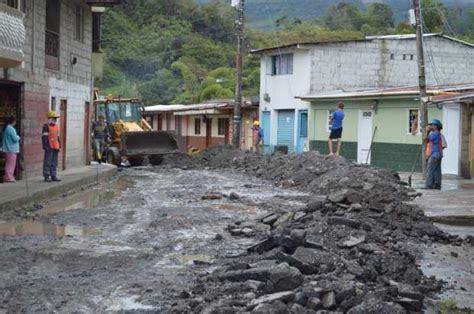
(257, 136)
(51, 147)
(435, 143)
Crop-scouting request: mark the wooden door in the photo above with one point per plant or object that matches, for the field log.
(87, 132)
(208, 132)
(63, 132)
(227, 131)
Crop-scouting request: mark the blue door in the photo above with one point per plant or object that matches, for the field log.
(286, 129)
(302, 130)
(266, 127)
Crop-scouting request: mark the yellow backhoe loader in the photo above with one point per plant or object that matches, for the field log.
(131, 137)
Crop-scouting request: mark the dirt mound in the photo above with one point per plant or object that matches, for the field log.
(352, 249)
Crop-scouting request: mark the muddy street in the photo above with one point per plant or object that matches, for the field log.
(136, 244)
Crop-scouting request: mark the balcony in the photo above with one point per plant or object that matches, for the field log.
(12, 37)
(103, 3)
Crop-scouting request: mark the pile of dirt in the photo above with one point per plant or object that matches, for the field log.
(352, 248)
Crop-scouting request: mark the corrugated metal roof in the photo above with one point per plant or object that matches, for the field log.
(203, 106)
(458, 97)
(301, 45)
(386, 92)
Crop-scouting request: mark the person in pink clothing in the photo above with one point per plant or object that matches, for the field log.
(11, 148)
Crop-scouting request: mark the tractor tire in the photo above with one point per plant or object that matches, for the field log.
(155, 160)
(113, 156)
(136, 161)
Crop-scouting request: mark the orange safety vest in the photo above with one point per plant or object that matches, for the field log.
(53, 136)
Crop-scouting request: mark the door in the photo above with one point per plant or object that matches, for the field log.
(452, 133)
(208, 132)
(302, 131)
(364, 136)
(87, 133)
(286, 129)
(227, 131)
(63, 132)
(266, 127)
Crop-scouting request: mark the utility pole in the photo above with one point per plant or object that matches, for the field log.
(238, 62)
(421, 78)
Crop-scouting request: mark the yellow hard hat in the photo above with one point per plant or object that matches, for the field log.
(52, 114)
(256, 123)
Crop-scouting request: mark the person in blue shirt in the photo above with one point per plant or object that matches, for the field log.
(336, 128)
(11, 148)
(434, 155)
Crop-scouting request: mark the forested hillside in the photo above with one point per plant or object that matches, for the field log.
(179, 51)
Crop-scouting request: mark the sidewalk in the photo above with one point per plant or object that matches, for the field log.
(33, 190)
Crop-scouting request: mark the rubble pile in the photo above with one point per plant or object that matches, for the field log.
(351, 249)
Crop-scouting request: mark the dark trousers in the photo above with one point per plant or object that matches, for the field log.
(433, 175)
(50, 163)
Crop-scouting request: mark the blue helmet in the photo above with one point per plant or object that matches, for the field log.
(437, 123)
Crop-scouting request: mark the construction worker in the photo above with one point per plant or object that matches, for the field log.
(257, 136)
(336, 128)
(100, 135)
(434, 155)
(51, 147)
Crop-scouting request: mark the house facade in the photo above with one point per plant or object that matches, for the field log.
(203, 125)
(46, 61)
(360, 73)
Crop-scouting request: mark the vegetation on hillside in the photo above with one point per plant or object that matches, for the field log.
(177, 51)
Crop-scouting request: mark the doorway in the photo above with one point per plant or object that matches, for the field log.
(63, 131)
(302, 131)
(87, 133)
(365, 136)
(208, 132)
(266, 127)
(452, 133)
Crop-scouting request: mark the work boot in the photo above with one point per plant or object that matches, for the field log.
(47, 179)
(55, 179)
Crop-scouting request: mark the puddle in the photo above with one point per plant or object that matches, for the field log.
(39, 228)
(90, 198)
(462, 231)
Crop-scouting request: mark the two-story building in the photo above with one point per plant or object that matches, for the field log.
(376, 78)
(46, 64)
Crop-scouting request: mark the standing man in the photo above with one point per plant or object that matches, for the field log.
(434, 154)
(11, 148)
(100, 134)
(257, 136)
(51, 147)
(336, 128)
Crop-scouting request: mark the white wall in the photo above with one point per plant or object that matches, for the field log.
(283, 89)
(76, 95)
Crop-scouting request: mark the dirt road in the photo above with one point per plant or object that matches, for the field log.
(139, 249)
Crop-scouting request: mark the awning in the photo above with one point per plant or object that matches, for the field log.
(200, 112)
(12, 37)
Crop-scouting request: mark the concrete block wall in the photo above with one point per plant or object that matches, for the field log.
(389, 63)
(72, 82)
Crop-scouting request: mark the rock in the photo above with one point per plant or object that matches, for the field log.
(312, 256)
(373, 306)
(313, 245)
(329, 300)
(346, 294)
(354, 268)
(354, 197)
(338, 196)
(298, 235)
(298, 309)
(247, 232)
(284, 296)
(454, 254)
(411, 304)
(254, 285)
(259, 274)
(276, 307)
(270, 219)
(300, 214)
(305, 268)
(314, 304)
(356, 207)
(353, 241)
(212, 196)
(284, 277)
(184, 295)
(218, 237)
(344, 221)
(288, 243)
(315, 206)
(264, 246)
(234, 196)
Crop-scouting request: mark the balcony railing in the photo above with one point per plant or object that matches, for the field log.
(52, 50)
(12, 37)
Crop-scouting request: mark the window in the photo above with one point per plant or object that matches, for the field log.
(79, 29)
(413, 121)
(392, 56)
(412, 57)
(52, 34)
(17, 4)
(96, 31)
(329, 124)
(197, 126)
(221, 122)
(53, 103)
(282, 64)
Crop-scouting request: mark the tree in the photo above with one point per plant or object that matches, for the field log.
(380, 16)
(433, 12)
(344, 16)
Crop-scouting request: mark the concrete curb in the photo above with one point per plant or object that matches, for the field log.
(41, 191)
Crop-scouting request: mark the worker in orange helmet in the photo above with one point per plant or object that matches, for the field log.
(51, 147)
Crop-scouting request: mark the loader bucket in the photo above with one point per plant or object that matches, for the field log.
(149, 143)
